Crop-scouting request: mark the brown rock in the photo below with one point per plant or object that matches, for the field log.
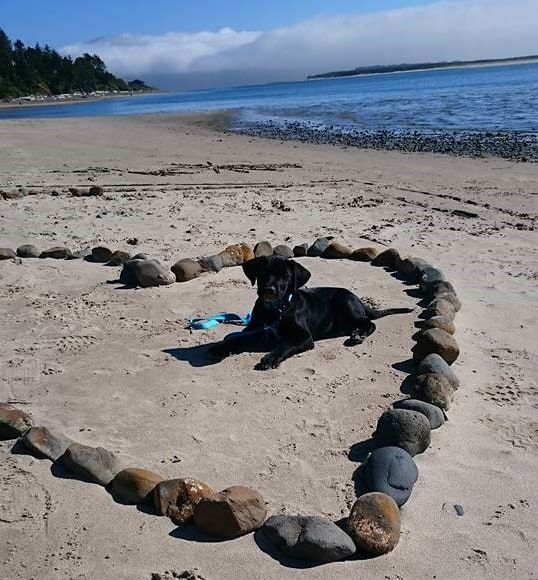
(248, 252)
(374, 524)
(92, 463)
(336, 251)
(28, 251)
(440, 287)
(186, 269)
(13, 422)
(364, 254)
(263, 249)
(435, 340)
(101, 254)
(232, 256)
(452, 298)
(118, 258)
(134, 485)
(389, 258)
(230, 513)
(300, 250)
(57, 252)
(15, 194)
(283, 251)
(439, 307)
(435, 389)
(46, 443)
(177, 498)
(7, 254)
(441, 322)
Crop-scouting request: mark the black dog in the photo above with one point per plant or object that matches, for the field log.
(293, 319)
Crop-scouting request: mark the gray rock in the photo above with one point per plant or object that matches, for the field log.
(283, 250)
(318, 247)
(300, 250)
(391, 470)
(430, 277)
(441, 322)
(13, 422)
(46, 443)
(118, 258)
(57, 253)
(95, 464)
(312, 538)
(101, 254)
(263, 249)
(435, 340)
(211, 263)
(439, 307)
(186, 269)
(96, 190)
(440, 287)
(141, 256)
(406, 429)
(152, 273)
(28, 251)
(7, 254)
(433, 363)
(412, 268)
(434, 389)
(450, 297)
(433, 413)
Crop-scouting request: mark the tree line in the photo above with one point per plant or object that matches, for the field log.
(26, 70)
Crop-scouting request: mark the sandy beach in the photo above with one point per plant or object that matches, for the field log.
(114, 368)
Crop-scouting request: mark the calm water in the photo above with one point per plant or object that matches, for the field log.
(499, 98)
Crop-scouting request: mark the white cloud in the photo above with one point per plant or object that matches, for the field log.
(441, 31)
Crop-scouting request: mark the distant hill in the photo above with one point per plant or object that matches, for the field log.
(40, 70)
(368, 70)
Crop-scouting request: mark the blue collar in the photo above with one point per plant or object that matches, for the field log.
(281, 305)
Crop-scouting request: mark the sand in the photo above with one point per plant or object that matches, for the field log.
(115, 368)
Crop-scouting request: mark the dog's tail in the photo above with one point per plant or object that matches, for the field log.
(374, 314)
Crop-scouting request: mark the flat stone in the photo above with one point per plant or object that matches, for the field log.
(312, 538)
(94, 464)
(232, 256)
(13, 422)
(57, 253)
(439, 307)
(390, 258)
(186, 269)
(118, 258)
(434, 389)
(436, 341)
(433, 413)
(299, 251)
(28, 251)
(101, 254)
(177, 498)
(46, 443)
(7, 254)
(336, 251)
(152, 273)
(374, 524)
(263, 249)
(433, 363)
(318, 247)
(230, 513)
(442, 322)
(283, 251)
(391, 470)
(211, 263)
(366, 254)
(406, 429)
(134, 485)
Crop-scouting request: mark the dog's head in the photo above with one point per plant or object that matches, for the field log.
(277, 277)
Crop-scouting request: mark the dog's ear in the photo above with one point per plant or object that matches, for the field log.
(300, 275)
(251, 269)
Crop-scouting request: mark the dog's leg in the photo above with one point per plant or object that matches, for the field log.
(365, 329)
(283, 351)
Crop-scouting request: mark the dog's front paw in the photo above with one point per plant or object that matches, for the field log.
(266, 363)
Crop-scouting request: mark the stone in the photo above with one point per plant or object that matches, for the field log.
(232, 256)
(434, 389)
(263, 249)
(442, 322)
(433, 413)
(134, 485)
(412, 268)
(429, 277)
(83, 253)
(299, 251)
(283, 250)
(152, 273)
(391, 470)
(406, 429)
(57, 252)
(211, 263)
(7, 254)
(118, 258)
(364, 254)
(93, 191)
(177, 498)
(78, 192)
(312, 538)
(46, 443)
(336, 251)
(318, 247)
(390, 258)
(439, 307)
(101, 254)
(248, 253)
(186, 269)
(94, 464)
(13, 422)
(141, 256)
(374, 524)
(230, 513)
(96, 190)
(15, 194)
(433, 363)
(435, 340)
(440, 287)
(28, 251)
(450, 297)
